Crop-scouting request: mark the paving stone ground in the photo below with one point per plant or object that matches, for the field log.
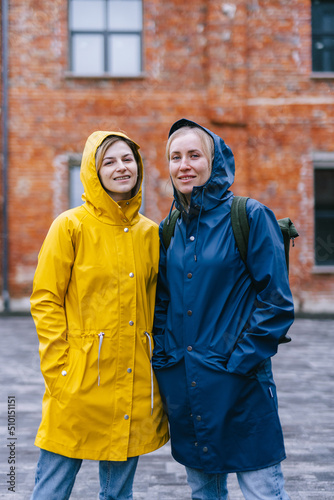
(304, 374)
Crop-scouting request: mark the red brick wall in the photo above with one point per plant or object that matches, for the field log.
(241, 68)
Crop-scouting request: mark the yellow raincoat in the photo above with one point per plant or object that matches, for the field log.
(93, 304)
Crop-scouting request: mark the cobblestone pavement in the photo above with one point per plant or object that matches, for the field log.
(304, 373)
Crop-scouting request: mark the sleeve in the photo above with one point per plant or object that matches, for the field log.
(50, 284)
(273, 311)
(161, 305)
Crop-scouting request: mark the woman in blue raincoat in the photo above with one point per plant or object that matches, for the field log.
(217, 324)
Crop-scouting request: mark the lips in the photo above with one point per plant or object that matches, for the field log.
(122, 178)
(187, 177)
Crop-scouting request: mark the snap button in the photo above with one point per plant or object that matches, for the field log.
(205, 449)
(129, 370)
(64, 373)
(127, 203)
(131, 275)
(189, 275)
(131, 323)
(189, 348)
(189, 313)
(126, 417)
(196, 444)
(199, 418)
(126, 229)
(192, 238)
(193, 384)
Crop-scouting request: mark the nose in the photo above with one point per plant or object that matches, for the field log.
(120, 166)
(184, 163)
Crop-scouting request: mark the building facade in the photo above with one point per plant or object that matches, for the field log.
(260, 73)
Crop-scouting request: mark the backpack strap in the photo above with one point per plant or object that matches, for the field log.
(169, 227)
(289, 232)
(240, 224)
(240, 228)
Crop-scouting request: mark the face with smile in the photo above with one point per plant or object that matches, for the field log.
(188, 165)
(119, 171)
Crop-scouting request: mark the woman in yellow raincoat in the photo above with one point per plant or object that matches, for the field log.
(93, 304)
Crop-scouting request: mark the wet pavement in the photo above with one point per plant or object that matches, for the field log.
(304, 374)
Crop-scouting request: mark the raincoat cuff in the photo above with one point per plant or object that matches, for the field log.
(159, 355)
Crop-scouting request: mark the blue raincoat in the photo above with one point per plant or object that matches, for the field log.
(217, 324)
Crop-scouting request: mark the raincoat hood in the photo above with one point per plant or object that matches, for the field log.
(221, 179)
(98, 202)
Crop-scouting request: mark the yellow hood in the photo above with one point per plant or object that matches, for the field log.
(98, 202)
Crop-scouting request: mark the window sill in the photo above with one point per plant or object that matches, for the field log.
(323, 270)
(322, 75)
(103, 76)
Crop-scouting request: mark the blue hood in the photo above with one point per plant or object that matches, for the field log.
(215, 189)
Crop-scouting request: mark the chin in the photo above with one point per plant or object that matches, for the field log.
(186, 192)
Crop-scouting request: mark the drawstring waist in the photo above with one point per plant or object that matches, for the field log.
(152, 385)
(101, 335)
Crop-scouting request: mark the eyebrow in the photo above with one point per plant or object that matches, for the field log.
(113, 157)
(190, 151)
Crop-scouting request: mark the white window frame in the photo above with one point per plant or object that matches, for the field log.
(108, 37)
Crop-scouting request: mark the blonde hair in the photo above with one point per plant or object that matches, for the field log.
(207, 145)
(206, 141)
(112, 139)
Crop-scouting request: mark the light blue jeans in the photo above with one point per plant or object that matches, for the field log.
(55, 477)
(263, 484)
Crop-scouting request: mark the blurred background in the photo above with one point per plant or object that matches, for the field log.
(259, 73)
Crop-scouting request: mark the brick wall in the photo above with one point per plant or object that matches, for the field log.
(241, 68)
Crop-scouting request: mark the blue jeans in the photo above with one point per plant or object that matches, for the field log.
(263, 484)
(55, 477)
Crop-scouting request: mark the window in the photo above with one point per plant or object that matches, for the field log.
(75, 186)
(105, 37)
(324, 209)
(323, 35)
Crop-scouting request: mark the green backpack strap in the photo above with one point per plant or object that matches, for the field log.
(240, 228)
(169, 227)
(289, 232)
(240, 224)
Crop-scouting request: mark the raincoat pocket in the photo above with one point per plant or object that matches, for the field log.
(57, 384)
(61, 379)
(264, 375)
(72, 372)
